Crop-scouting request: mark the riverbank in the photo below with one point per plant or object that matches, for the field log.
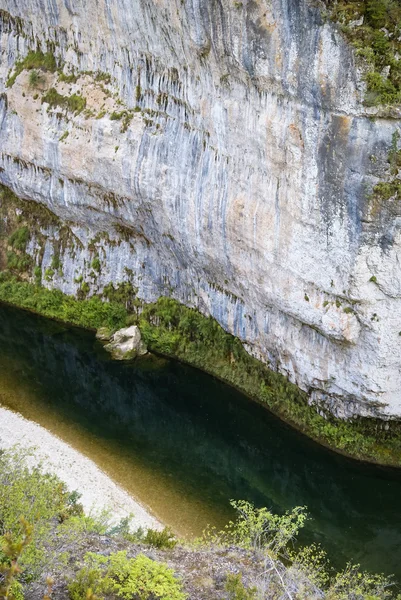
(174, 330)
(98, 491)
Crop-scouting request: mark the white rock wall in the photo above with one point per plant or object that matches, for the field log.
(245, 189)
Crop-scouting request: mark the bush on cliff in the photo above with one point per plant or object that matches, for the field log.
(374, 28)
(140, 577)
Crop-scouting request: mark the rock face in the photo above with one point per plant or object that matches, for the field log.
(126, 344)
(239, 183)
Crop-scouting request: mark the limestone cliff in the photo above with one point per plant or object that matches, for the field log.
(220, 153)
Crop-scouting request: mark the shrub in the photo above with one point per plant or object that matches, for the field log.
(49, 274)
(258, 528)
(37, 496)
(19, 263)
(34, 78)
(161, 539)
(140, 578)
(236, 589)
(96, 264)
(37, 273)
(354, 584)
(12, 549)
(19, 238)
(87, 580)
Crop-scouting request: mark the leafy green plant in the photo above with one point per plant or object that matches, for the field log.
(49, 274)
(71, 78)
(83, 290)
(91, 313)
(37, 273)
(19, 238)
(12, 548)
(161, 539)
(96, 265)
(37, 496)
(259, 529)
(88, 581)
(20, 263)
(352, 583)
(236, 589)
(128, 578)
(35, 78)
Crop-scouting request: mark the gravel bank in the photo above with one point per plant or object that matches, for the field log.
(76, 470)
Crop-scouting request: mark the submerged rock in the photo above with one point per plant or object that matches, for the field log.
(126, 344)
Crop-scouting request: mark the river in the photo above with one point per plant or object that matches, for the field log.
(184, 443)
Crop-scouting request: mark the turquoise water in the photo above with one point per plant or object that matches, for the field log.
(185, 443)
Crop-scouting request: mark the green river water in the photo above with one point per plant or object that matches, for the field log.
(185, 443)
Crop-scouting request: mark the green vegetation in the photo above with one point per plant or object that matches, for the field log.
(236, 589)
(19, 238)
(71, 78)
(91, 313)
(161, 539)
(30, 496)
(18, 262)
(47, 541)
(390, 188)
(74, 103)
(33, 60)
(377, 39)
(125, 116)
(172, 329)
(141, 578)
(116, 116)
(96, 264)
(34, 78)
(49, 274)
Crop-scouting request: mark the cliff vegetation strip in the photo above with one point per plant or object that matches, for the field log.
(374, 29)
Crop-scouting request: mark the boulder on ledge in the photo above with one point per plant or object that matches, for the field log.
(126, 344)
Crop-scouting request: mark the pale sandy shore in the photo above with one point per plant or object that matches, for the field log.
(76, 470)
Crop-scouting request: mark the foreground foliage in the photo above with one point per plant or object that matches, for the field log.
(260, 558)
(138, 577)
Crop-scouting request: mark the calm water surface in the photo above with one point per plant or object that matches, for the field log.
(184, 443)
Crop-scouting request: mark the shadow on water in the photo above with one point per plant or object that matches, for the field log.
(185, 443)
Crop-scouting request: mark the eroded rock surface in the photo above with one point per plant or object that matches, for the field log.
(238, 182)
(126, 344)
